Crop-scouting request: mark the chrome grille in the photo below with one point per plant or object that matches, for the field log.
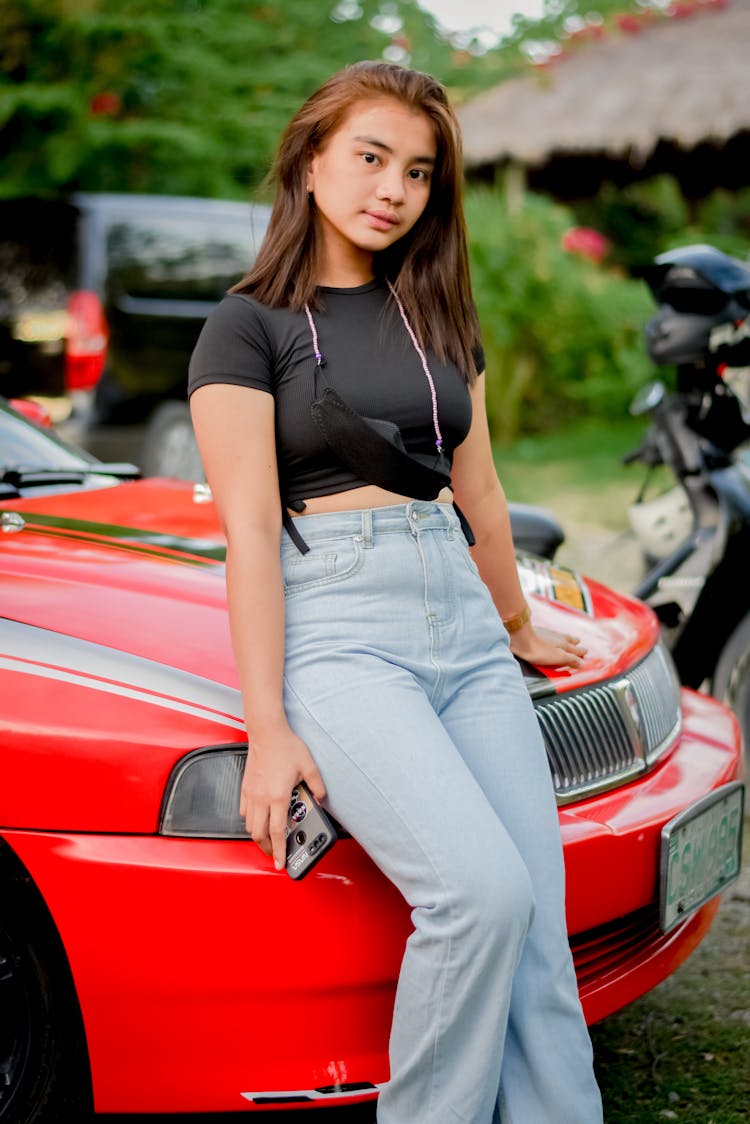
(603, 736)
(657, 690)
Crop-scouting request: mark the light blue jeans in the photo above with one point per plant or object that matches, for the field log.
(400, 680)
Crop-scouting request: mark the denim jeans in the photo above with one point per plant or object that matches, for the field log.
(400, 679)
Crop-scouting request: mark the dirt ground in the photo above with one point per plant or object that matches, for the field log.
(682, 1052)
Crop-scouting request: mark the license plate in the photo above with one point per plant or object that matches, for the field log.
(700, 853)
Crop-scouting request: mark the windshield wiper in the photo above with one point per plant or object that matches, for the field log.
(21, 477)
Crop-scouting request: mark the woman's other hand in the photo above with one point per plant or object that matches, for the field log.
(546, 648)
(275, 764)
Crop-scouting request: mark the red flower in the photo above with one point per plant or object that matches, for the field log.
(681, 9)
(105, 104)
(630, 24)
(586, 242)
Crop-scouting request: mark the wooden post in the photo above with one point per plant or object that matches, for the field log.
(512, 180)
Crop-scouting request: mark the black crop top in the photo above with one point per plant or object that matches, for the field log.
(369, 359)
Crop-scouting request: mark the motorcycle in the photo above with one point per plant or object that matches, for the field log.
(694, 537)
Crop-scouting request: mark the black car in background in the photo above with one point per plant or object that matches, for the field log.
(101, 300)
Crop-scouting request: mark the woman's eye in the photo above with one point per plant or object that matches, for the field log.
(369, 158)
(419, 174)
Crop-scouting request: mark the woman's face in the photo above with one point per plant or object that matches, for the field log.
(371, 183)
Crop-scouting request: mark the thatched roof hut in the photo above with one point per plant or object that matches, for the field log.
(674, 97)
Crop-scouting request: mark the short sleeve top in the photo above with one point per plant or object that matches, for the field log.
(369, 359)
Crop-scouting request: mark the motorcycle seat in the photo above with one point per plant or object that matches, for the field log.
(535, 530)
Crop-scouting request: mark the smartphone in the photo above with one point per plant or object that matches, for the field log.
(309, 833)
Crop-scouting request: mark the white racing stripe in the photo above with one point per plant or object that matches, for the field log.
(51, 655)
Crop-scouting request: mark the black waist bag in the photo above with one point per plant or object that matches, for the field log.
(373, 449)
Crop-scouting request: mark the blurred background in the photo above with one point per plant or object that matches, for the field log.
(598, 134)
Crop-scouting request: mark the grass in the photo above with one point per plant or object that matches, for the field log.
(579, 476)
(585, 458)
(682, 1051)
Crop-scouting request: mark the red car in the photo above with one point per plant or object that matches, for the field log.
(148, 951)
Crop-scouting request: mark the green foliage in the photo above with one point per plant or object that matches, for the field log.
(646, 218)
(563, 336)
(191, 96)
(185, 96)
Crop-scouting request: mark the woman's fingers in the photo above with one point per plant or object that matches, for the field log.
(569, 658)
(314, 782)
(547, 648)
(573, 646)
(267, 788)
(257, 824)
(277, 832)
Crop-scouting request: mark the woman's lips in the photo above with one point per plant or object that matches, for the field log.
(381, 220)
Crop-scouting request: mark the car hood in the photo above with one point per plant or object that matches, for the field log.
(138, 569)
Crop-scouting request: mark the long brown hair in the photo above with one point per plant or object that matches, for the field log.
(429, 266)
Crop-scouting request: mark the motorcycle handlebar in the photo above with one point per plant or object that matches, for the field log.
(685, 455)
(669, 441)
(633, 456)
(648, 452)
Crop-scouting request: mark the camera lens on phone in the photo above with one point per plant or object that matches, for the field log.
(300, 837)
(298, 811)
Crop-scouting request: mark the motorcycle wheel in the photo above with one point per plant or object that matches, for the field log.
(43, 1071)
(731, 681)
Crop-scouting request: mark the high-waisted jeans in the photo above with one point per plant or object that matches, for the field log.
(399, 678)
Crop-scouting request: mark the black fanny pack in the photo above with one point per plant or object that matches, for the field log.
(373, 449)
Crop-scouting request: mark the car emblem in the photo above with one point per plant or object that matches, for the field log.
(631, 711)
(11, 521)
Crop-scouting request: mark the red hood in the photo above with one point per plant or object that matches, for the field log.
(137, 567)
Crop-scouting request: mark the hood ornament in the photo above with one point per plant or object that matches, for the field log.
(11, 521)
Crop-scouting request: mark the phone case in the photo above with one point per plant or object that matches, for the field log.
(309, 833)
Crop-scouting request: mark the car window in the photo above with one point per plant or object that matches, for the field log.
(24, 445)
(189, 257)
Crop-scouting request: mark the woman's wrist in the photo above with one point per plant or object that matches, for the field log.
(266, 725)
(519, 619)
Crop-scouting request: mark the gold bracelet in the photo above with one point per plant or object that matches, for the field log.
(513, 624)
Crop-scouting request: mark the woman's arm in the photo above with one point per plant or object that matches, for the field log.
(234, 427)
(480, 496)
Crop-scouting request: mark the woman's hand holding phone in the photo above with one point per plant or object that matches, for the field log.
(276, 762)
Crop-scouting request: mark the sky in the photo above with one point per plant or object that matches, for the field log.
(465, 15)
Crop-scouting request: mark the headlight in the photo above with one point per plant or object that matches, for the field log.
(202, 797)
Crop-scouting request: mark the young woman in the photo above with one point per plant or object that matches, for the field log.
(336, 393)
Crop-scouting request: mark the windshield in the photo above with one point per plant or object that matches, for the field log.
(24, 445)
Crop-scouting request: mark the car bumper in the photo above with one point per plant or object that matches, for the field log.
(208, 982)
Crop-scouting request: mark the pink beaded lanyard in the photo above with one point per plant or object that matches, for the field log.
(320, 361)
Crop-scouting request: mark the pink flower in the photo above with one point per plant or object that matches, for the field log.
(586, 242)
(630, 24)
(681, 9)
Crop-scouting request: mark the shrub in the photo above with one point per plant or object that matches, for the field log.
(563, 336)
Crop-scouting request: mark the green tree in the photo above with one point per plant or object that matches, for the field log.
(185, 96)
